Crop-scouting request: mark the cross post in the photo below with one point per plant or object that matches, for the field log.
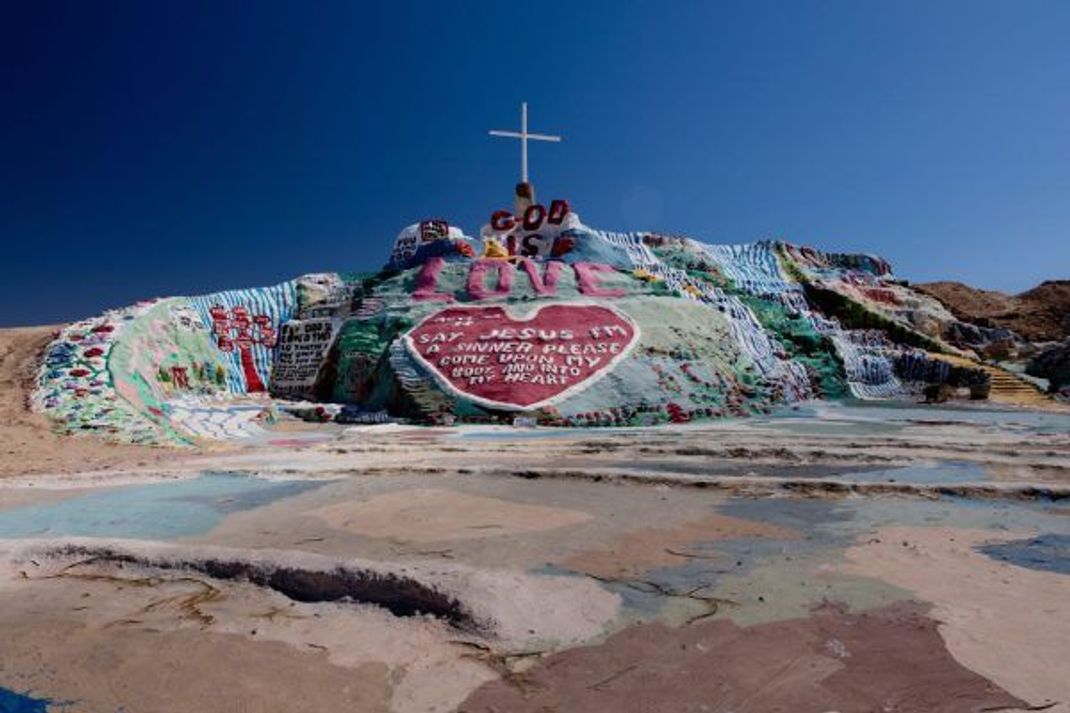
(524, 135)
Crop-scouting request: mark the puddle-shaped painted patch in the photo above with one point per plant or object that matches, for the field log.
(728, 468)
(880, 416)
(1049, 552)
(826, 522)
(12, 702)
(156, 511)
(942, 473)
(521, 434)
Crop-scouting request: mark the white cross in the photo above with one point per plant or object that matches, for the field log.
(524, 136)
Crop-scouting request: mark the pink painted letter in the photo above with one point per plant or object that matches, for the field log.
(587, 278)
(427, 280)
(477, 279)
(546, 285)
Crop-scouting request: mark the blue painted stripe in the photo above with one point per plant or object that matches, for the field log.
(278, 302)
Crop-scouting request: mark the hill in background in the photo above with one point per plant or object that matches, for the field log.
(1041, 314)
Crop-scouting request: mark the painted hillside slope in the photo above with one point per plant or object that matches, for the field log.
(545, 319)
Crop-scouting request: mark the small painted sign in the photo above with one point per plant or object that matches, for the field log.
(302, 349)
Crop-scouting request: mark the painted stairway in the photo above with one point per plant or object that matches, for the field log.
(1006, 386)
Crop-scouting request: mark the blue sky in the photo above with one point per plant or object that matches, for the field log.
(154, 148)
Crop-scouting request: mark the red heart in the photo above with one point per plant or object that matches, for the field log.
(494, 359)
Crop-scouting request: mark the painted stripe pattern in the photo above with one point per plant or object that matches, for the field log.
(278, 303)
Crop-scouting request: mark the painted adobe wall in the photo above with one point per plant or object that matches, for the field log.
(552, 321)
(134, 374)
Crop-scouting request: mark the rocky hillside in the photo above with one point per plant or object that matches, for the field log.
(1053, 364)
(1041, 314)
(541, 318)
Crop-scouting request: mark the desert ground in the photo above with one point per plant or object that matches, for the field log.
(828, 557)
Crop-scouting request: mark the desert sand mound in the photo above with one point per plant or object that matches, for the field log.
(27, 443)
(1041, 314)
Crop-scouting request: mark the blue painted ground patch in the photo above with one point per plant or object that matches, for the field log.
(1049, 552)
(941, 473)
(520, 434)
(11, 702)
(155, 511)
(863, 417)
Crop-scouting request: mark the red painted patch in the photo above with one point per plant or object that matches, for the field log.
(881, 294)
(253, 383)
(501, 361)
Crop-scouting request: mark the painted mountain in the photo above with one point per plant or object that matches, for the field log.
(539, 318)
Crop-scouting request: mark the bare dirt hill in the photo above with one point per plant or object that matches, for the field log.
(1041, 314)
(27, 443)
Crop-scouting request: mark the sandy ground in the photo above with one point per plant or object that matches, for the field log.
(891, 657)
(831, 558)
(642, 550)
(1006, 624)
(443, 516)
(712, 602)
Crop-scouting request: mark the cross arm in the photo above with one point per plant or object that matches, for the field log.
(518, 135)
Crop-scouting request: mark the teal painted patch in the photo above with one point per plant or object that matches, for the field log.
(940, 473)
(156, 511)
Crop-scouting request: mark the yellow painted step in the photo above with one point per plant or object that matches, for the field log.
(1006, 387)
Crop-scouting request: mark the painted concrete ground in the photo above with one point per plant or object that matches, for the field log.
(829, 558)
